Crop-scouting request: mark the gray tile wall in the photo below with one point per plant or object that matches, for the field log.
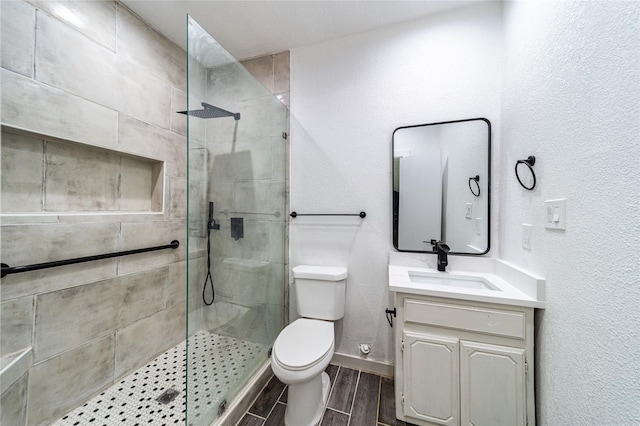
(14, 402)
(248, 173)
(110, 87)
(43, 175)
(274, 72)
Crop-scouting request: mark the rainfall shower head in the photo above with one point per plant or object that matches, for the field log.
(211, 111)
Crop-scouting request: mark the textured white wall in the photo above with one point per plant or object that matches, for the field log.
(571, 97)
(347, 97)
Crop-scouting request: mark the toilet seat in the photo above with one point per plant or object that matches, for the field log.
(303, 344)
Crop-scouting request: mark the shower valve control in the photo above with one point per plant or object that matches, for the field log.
(211, 224)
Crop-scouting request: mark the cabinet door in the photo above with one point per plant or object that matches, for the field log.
(431, 391)
(492, 385)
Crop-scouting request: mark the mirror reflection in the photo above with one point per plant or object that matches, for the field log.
(441, 186)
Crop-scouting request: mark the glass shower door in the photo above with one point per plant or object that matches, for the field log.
(236, 225)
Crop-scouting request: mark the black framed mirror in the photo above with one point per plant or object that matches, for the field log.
(442, 186)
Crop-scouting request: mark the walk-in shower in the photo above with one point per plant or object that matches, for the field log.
(105, 215)
(239, 166)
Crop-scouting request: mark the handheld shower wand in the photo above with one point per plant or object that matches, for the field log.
(211, 224)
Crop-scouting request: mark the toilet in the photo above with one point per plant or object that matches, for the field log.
(305, 347)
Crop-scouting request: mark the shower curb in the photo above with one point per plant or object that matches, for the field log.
(247, 395)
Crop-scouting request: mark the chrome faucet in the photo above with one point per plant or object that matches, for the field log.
(442, 249)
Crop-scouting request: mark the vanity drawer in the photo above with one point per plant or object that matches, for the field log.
(468, 318)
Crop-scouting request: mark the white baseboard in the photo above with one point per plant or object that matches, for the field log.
(357, 363)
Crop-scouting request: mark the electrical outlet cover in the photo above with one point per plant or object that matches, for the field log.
(526, 236)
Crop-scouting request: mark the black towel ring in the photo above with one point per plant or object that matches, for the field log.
(529, 162)
(476, 179)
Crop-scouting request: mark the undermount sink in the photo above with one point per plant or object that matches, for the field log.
(452, 281)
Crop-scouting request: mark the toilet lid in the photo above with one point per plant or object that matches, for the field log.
(303, 343)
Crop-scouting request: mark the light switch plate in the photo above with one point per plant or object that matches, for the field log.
(468, 210)
(555, 214)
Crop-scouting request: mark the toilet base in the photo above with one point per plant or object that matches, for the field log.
(306, 401)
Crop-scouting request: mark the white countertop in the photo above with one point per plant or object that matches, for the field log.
(513, 286)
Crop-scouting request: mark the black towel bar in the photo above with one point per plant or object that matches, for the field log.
(361, 214)
(6, 269)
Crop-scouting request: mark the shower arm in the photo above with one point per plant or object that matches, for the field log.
(210, 111)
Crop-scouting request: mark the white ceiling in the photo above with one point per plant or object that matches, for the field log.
(253, 28)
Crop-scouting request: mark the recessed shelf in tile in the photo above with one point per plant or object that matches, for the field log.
(43, 174)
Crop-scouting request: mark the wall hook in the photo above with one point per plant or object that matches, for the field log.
(529, 162)
(476, 179)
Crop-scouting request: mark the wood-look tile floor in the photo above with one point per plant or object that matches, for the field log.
(356, 398)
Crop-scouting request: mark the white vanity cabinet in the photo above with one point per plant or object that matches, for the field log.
(461, 362)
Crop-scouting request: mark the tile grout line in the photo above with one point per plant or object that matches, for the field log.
(273, 409)
(254, 415)
(337, 411)
(326, 404)
(285, 389)
(379, 399)
(355, 392)
(274, 405)
(43, 197)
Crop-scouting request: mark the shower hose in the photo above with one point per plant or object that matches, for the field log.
(208, 280)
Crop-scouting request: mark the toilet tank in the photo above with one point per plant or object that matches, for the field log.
(320, 291)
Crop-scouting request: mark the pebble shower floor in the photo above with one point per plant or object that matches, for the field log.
(216, 362)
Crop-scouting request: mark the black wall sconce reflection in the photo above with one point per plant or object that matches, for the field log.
(475, 179)
(529, 162)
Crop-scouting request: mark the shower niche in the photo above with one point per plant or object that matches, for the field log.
(43, 174)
